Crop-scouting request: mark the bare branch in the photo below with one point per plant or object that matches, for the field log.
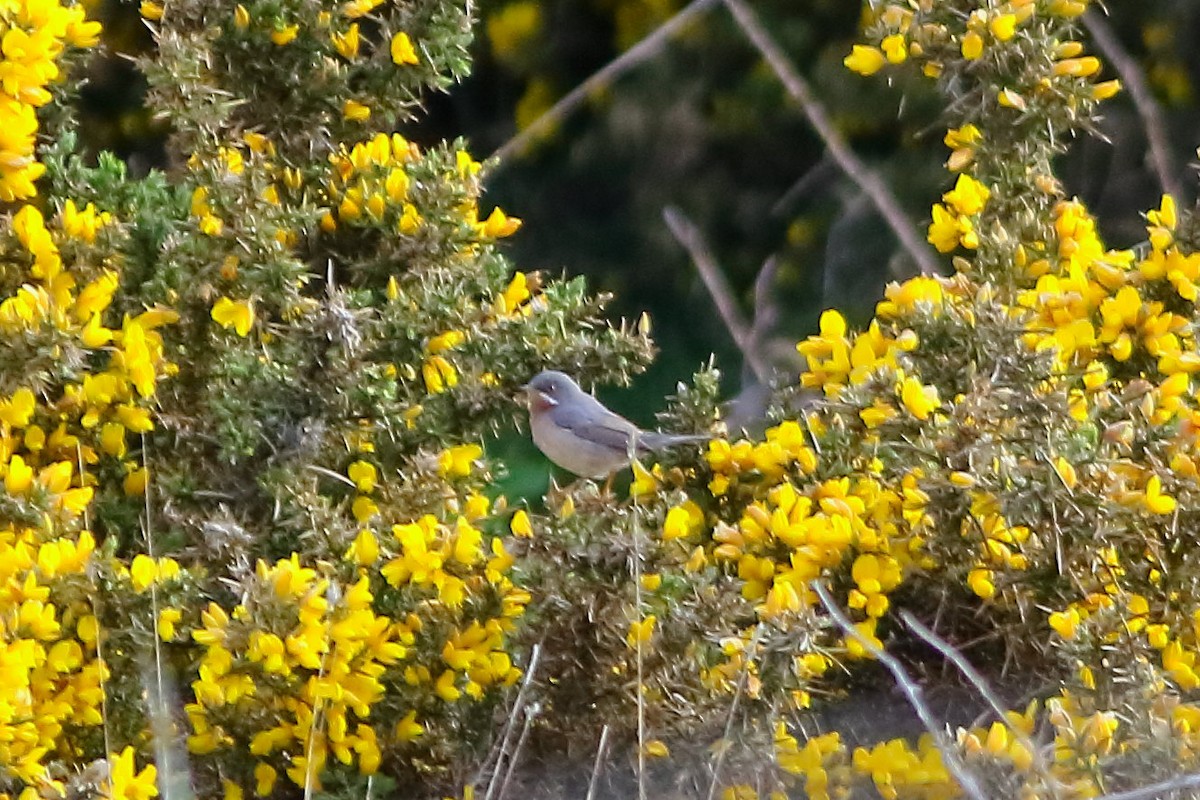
(985, 691)
(600, 748)
(509, 727)
(530, 715)
(751, 651)
(644, 50)
(688, 235)
(1151, 115)
(1156, 790)
(913, 692)
(884, 201)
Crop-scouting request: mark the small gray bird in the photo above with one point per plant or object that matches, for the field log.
(580, 435)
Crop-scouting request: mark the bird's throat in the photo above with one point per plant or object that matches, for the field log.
(539, 402)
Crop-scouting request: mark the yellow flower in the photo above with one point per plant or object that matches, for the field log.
(135, 482)
(19, 476)
(168, 618)
(236, 314)
(644, 482)
(1156, 501)
(264, 779)
(895, 48)
(656, 748)
(364, 474)
(1066, 471)
(112, 439)
(18, 410)
(285, 35)
(972, 46)
(347, 43)
(457, 461)
(408, 728)
(402, 50)
(364, 551)
(943, 231)
(1003, 27)
(445, 341)
(125, 783)
(355, 111)
(445, 688)
(520, 525)
(980, 581)
(410, 219)
(920, 400)
(1106, 89)
(363, 508)
(968, 196)
(641, 631)
(498, 225)
(865, 60)
(143, 571)
(359, 8)
(439, 375)
(678, 524)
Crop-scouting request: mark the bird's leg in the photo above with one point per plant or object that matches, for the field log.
(606, 490)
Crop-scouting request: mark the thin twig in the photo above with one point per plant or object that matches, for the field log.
(530, 716)
(818, 175)
(1156, 790)
(171, 761)
(985, 691)
(95, 600)
(913, 692)
(1143, 101)
(640, 52)
(692, 240)
(766, 307)
(751, 651)
(637, 599)
(600, 748)
(850, 163)
(518, 705)
(317, 719)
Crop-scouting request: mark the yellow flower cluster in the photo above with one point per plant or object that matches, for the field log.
(1001, 544)
(35, 34)
(369, 186)
(835, 361)
(108, 404)
(304, 659)
(902, 34)
(48, 433)
(370, 179)
(51, 675)
(954, 218)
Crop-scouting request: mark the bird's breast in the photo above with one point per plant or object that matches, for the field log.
(572, 452)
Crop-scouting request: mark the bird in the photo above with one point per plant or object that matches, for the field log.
(576, 432)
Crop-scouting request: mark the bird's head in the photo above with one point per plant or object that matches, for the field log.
(548, 389)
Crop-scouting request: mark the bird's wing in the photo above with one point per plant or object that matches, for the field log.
(616, 438)
(602, 427)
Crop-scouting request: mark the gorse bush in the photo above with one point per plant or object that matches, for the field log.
(250, 539)
(243, 407)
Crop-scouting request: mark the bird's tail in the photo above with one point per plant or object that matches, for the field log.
(653, 440)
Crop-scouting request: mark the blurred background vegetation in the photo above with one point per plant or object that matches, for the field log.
(705, 126)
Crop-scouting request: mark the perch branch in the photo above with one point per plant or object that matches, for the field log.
(643, 51)
(884, 201)
(1147, 109)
